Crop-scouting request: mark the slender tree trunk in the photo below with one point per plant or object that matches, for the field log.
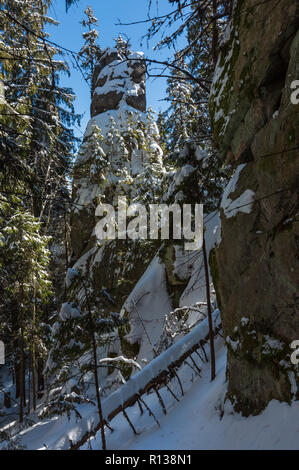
(95, 370)
(33, 350)
(215, 35)
(24, 383)
(40, 377)
(17, 378)
(66, 247)
(7, 400)
(29, 394)
(22, 366)
(33, 381)
(94, 348)
(211, 333)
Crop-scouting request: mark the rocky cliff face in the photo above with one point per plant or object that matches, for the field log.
(255, 266)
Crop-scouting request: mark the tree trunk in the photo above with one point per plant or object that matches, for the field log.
(211, 333)
(29, 394)
(17, 378)
(7, 400)
(215, 35)
(40, 378)
(95, 370)
(22, 365)
(33, 351)
(94, 347)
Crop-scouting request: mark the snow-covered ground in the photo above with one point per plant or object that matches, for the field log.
(195, 422)
(200, 420)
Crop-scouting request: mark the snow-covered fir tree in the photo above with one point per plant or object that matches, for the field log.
(24, 260)
(90, 50)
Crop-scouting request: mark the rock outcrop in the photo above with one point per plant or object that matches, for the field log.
(143, 279)
(119, 75)
(120, 156)
(255, 266)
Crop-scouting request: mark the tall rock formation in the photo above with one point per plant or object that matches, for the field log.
(120, 156)
(144, 280)
(255, 266)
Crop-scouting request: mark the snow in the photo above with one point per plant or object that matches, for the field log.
(195, 290)
(270, 344)
(70, 275)
(81, 262)
(147, 305)
(233, 344)
(40, 433)
(200, 154)
(183, 173)
(201, 420)
(217, 235)
(123, 359)
(243, 203)
(118, 79)
(68, 311)
(138, 381)
(195, 423)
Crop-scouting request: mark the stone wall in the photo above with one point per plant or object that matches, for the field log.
(255, 266)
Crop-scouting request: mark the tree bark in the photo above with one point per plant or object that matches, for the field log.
(211, 333)
(22, 365)
(33, 350)
(215, 34)
(95, 370)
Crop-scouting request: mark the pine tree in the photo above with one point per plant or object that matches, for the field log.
(90, 51)
(35, 126)
(187, 120)
(24, 258)
(181, 115)
(36, 153)
(81, 332)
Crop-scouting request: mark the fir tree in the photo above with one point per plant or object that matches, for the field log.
(79, 334)
(90, 51)
(24, 258)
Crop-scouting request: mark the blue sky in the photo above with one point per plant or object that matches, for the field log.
(108, 12)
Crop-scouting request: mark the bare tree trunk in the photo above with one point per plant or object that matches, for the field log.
(29, 394)
(215, 34)
(95, 370)
(211, 333)
(40, 378)
(98, 392)
(22, 367)
(66, 247)
(17, 378)
(7, 400)
(33, 350)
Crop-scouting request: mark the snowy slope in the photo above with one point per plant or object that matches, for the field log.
(195, 422)
(200, 420)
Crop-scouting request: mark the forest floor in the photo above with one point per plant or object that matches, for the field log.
(196, 422)
(200, 420)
